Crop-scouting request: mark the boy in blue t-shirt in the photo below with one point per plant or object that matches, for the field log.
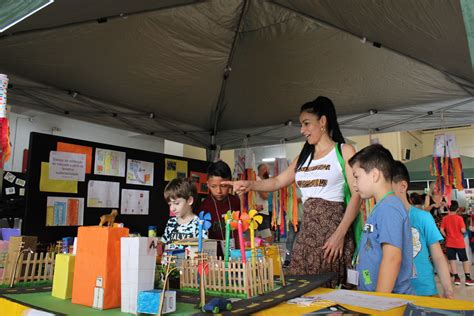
(385, 257)
(426, 238)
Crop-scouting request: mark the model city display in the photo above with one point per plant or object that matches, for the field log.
(92, 277)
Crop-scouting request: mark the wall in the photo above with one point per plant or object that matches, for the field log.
(22, 125)
(391, 141)
(464, 140)
(174, 148)
(194, 152)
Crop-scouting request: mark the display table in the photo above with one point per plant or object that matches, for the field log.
(433, 302)
(16, 304)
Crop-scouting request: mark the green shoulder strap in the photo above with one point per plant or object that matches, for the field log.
(357, 225)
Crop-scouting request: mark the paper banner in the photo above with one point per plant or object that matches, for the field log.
(67, 166)
(48, 185)
(135, 202)
(10, 191)
(200, 180)
(64, 211)
(10, 177)
(175, 169)
(109, 162)
(139, 172)
(77, 149)
(103, 194)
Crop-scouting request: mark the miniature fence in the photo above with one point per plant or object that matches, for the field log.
(34, 267)
(238, 278)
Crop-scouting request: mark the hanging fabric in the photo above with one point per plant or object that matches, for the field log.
(446, 165)
(4, 123)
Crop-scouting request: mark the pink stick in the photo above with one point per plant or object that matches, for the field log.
(241, 241)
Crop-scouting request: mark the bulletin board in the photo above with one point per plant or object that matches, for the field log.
(137, 175)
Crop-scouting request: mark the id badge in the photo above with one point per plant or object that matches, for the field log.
(352, 277)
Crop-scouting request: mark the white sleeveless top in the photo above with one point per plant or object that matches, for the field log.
(322, 179)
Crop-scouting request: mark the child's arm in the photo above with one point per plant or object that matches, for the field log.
(441, 229)
(389, 268)
(442, 269)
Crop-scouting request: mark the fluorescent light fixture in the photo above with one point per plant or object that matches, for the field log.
(13, 12)
(268, 159)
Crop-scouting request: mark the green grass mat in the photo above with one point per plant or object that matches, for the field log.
(46, 301)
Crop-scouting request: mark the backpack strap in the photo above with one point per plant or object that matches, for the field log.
(347, 191)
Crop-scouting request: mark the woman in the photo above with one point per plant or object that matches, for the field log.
(435, 202)
(325, 242)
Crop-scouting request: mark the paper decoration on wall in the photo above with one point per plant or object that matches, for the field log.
(175, 169)
(10, 177)
(21, 192)
(20, 182)
(77, 149)
(64, 211)
(135, 202)
(446, 165)
(139, 172)
(67, 166)
(10, 191)
(49, 185)
(109, 162)
(200, 180)
(103, 194)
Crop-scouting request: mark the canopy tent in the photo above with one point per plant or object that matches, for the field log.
(212, 73)
(419, 169)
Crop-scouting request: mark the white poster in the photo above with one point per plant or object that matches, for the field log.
(10, 191)
(20, 182)
(135, 202)
(139, 172)
(10, 177)
(64, 211)
(67, 166)
(109, 162)
(103, 194)
(22, 192)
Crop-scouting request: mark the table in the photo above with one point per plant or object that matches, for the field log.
(434, 302)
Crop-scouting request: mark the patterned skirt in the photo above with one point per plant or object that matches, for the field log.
(320, 220)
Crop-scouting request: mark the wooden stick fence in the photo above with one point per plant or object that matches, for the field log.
(238, 278)
(35, 267)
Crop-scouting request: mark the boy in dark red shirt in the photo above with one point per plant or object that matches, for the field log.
(453, 230)
(219, 200)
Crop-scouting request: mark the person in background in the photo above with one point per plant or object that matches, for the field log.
(471, 229)
(426, 238)
(291, 232)
(219, 200)
(385, 258)
(453, 229)
(263, 231)
(181, 194)
(325, 242)
(435, 203)
(416, 200)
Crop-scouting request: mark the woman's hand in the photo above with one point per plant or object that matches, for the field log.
(448, 292)
(240, 186)
(334, 247)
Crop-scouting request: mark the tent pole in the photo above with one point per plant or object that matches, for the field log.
(429, 113)
(219, 109)
(357, 36)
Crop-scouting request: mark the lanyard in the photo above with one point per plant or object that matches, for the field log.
(355, 258)
(217, 213)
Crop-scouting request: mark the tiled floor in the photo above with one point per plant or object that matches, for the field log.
(461, 292)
